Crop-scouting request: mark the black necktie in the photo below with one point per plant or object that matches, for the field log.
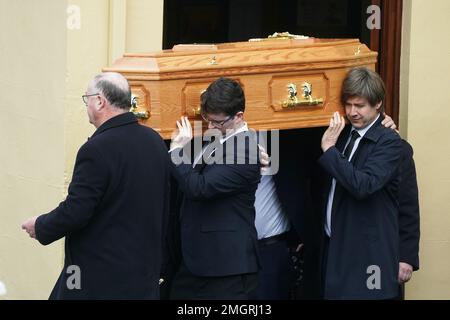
(349, 148)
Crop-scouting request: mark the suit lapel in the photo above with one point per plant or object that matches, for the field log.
(207, 152)
(372, 134)
(340, 144)
(338, 191)
(343, 137)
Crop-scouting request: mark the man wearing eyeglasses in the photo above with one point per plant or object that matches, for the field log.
(218, 235)
(112, 218)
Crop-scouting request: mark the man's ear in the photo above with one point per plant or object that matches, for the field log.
(100, 103)
(240, 115)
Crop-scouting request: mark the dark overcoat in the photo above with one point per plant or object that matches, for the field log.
(114, 215)
(363, 256)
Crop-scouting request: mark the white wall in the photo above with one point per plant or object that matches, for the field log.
(425, 118)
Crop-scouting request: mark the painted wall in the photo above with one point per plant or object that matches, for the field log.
(49, 50)
(144, 25)
(32, 92)
(425, 118)
(87, 53)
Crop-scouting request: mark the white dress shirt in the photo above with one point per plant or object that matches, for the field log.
(270, 219)
(243, 128)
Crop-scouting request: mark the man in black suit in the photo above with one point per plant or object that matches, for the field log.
(361, 243)
(114, 214)
(217, 231)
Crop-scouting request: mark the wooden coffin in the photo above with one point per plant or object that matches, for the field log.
(288, 83)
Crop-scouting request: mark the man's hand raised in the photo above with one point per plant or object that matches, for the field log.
(183, 136)
(329, 138)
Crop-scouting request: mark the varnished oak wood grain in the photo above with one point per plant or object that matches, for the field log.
(169, 82)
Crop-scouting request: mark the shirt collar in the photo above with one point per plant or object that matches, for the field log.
(363, 131)
(116, 121)
(244, 128)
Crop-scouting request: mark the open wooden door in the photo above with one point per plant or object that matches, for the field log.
(387, 42)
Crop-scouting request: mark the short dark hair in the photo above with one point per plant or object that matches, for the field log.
(365, 83)
(116, 96)
(223, 96)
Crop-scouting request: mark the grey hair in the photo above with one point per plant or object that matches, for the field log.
(115, 88)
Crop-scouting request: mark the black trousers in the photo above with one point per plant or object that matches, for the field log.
(187, 286)
(325, 248)
(277, 274)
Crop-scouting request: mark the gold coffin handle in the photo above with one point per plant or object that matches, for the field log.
(143, 115)
(196, 112)
(306, 100)
(299, 102)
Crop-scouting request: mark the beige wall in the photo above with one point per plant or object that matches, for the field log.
(425, 118)
(144, 25)
(32, 88)
(44, 69)
(87, 53)
(135, 26)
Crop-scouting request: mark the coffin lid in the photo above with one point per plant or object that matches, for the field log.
(237, 58)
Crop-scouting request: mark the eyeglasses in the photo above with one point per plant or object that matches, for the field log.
(217, 124)
(86, 96)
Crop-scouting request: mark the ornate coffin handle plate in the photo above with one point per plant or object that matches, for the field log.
(134, 108)
(196, 111)
(307, 99)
